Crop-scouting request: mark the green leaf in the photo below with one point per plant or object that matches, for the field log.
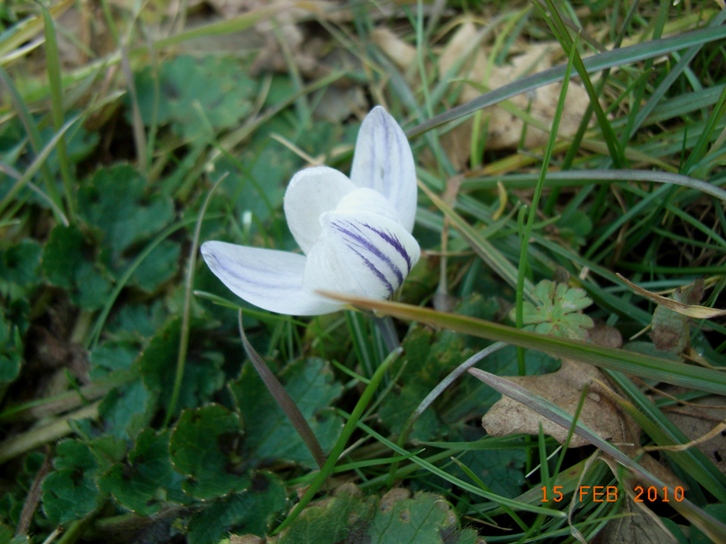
(244, 513)
(205, 448)
(92, 286)
(557, 311)
(63, 255)
(502, 470)
(344, 517)
(110, 357)
(189, 101)
(79, 144)
(127, 410)
(11, 351)
(161, 265)
(425, 518)
(66, 263)
(19, 268)
(718, 511)
(136, 322)
(70, 492)
(146, 481)
(270, 435)
(575, 227)
(116, 202)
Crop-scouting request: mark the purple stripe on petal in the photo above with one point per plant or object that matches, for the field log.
(394, 242)
(375, 271)
(371, 248)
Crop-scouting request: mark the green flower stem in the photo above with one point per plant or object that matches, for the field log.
(339, 446)
(388, 331)
(188, 289)
(519, 303)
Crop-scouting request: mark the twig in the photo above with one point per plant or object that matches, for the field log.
(33, 497)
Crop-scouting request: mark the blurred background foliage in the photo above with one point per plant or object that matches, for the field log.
(128, 409)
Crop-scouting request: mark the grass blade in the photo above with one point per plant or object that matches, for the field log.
(56, 103)
(629, 362)
(608, 59)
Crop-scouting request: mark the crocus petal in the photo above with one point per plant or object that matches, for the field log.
(311, 192)
(267, 278)
(366, 200)
(361, 253)
(383, 161)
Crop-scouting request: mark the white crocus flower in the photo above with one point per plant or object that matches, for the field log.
(355, 233)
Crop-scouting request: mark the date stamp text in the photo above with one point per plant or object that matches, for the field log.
(610, 493)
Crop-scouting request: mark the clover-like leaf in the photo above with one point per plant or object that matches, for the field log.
(188, 102)
(67, 263)
(118, 203)
(250, 511)
(70, 491)
(558, 311)
(204, 447)
(349, 516)
(146, 479)
(128, 409)
(19, 266)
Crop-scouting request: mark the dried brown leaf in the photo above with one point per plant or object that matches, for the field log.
(401, 53)
(639, 526)
(504, 129)
(681, 302)
(698, 420)
(605, 335)
(563, 388)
